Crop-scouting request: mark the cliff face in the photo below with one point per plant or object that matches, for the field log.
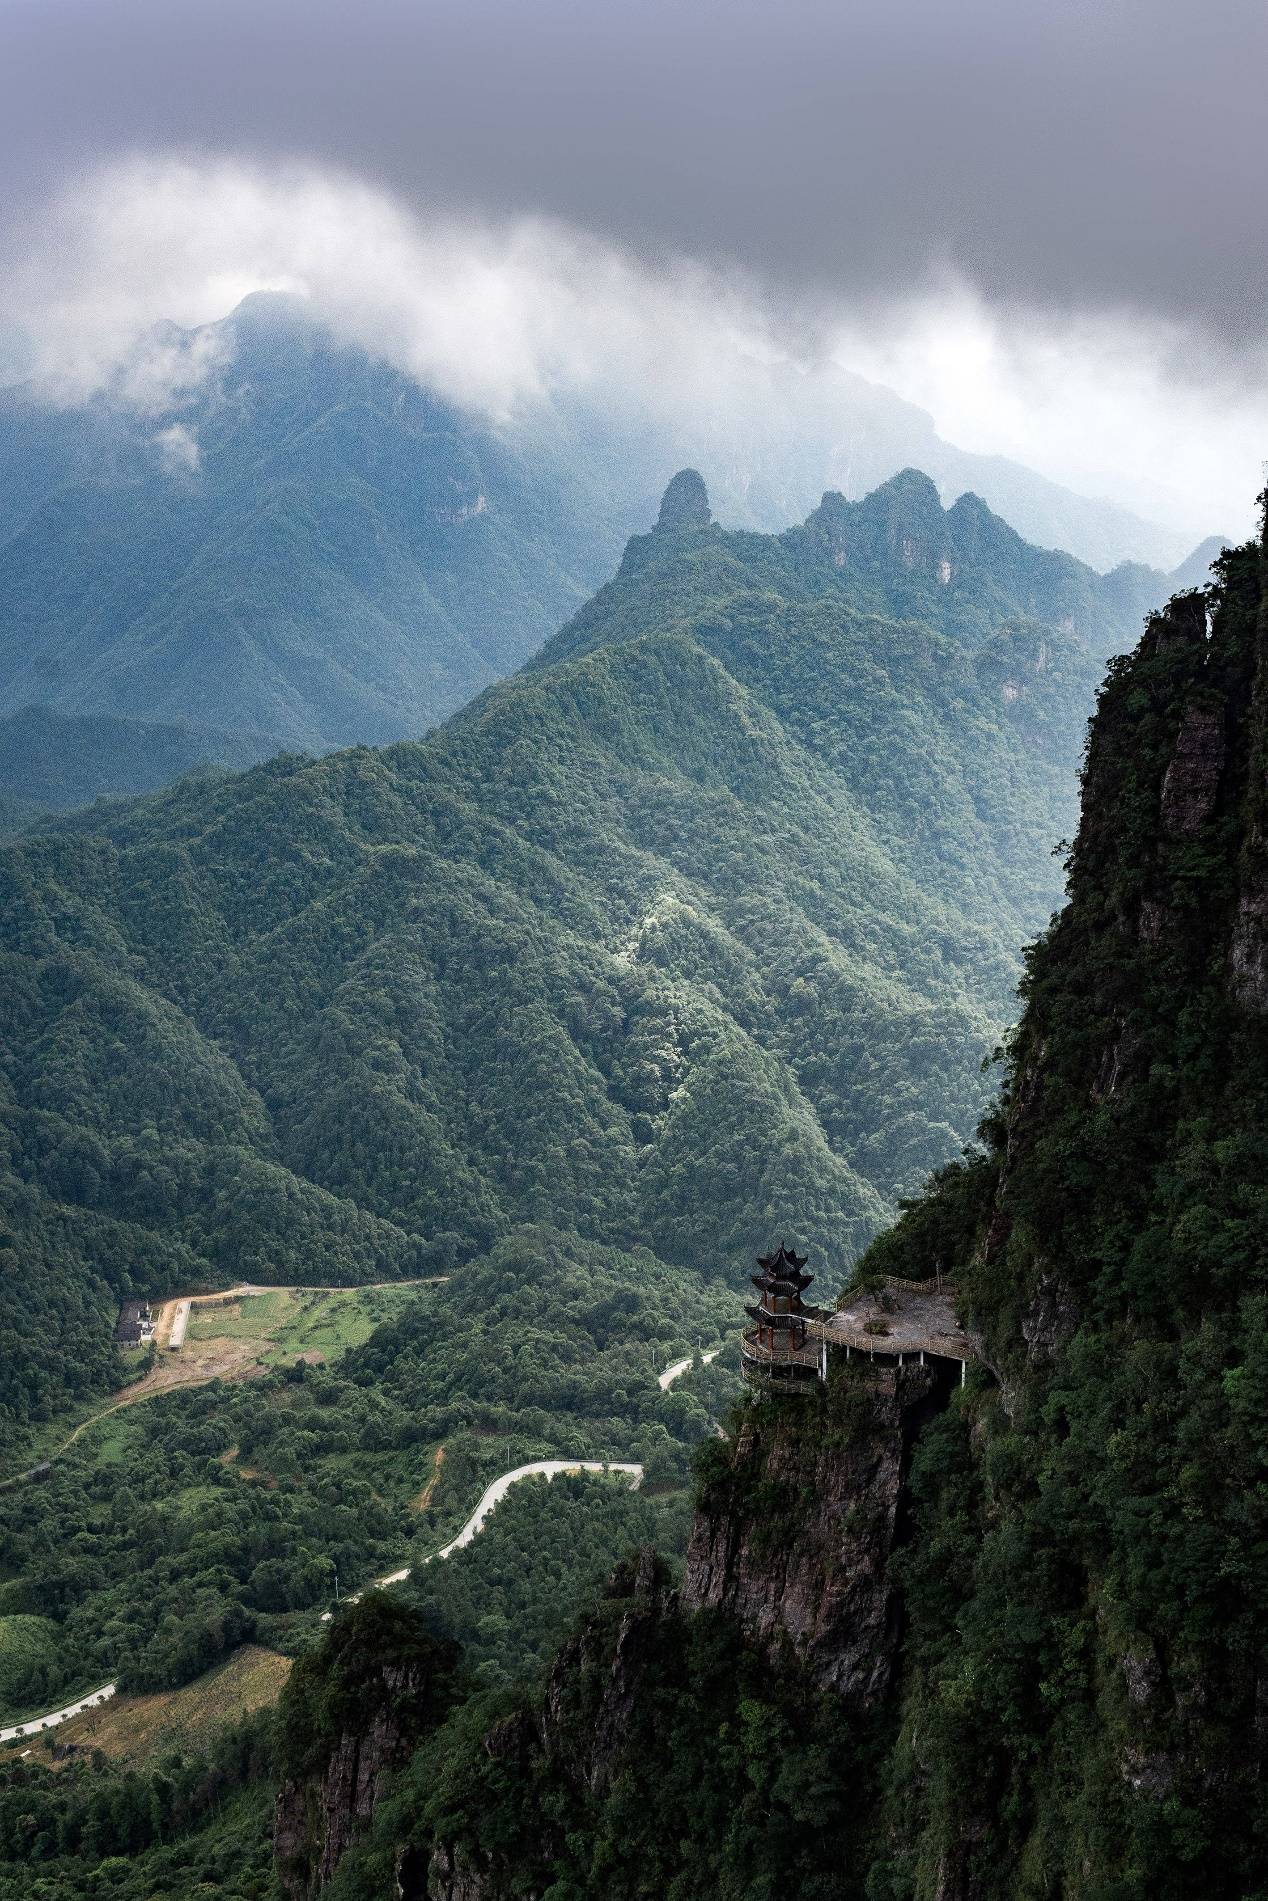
(352, 1712)
(786, 1628)
(317, 1817)
(793, 1537)
(1108, 1635)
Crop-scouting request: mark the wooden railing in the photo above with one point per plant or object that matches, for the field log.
(768, 1360)
(938, 1284)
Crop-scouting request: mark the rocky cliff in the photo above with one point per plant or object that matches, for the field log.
(352, 1711)
(795, 1528)
(318, 1817)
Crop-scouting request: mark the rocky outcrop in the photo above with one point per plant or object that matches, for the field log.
(617, 1665)
(316, 1820)
(448, 1875)
(795, 1542)
(684, 505)
(352, 1711)
(577, 1736)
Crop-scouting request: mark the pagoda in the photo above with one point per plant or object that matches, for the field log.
(774, 1350)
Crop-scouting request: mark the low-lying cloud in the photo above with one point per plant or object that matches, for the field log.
(508, 317)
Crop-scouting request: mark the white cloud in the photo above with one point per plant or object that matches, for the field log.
(497, 317)
(1117, 404)
(178, 449)
(505, 317)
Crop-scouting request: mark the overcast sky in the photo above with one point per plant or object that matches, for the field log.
(964, 195)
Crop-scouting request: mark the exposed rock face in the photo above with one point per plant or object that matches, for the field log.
(684, 505)
(1248, 953)
(316, 1821)
(1192, 782)
(352, 1711)
(580, 1730)
(809, 1563)
(620, 1667)
(448, 1876)
(1052, 1317)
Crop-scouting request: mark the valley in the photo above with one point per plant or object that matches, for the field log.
(237, 1334)
(633, 952)
(698, 928)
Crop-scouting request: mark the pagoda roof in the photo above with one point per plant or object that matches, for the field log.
(783, 1257)
(782, 1269)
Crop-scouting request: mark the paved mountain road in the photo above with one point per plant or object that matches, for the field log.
(489, 1499)
(679, 1367)
(37, 1723)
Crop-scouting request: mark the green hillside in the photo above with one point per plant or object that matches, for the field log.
(307, 550)
(52, 762)
(321, 553)
(696, 933)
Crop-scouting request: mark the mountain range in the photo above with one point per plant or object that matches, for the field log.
(993, 1632)
(704, 921)
(304, 549)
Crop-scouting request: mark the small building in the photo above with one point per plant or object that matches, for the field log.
(132, 1323)
(775, 1350)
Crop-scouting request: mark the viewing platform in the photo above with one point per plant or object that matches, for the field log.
(901, 1321)
(896, 1324)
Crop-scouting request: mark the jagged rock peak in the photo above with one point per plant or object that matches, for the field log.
(685, 504)
(910, 497)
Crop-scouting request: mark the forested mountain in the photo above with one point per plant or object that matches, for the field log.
(52, 762)
(697, 928)
(994, 1642)
(272, 539)
(308, 546)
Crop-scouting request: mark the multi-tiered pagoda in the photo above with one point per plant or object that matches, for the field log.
(774, 1351)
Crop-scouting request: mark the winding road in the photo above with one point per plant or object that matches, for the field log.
(490, 1498)
(666, 1379)
(36, 1723)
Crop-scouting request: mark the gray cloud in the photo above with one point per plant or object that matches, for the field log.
(1043, 222)
(1088, 152)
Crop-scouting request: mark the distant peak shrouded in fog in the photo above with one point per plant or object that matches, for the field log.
(684, 505)
(520, 319)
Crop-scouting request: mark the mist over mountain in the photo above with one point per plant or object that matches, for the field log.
(298, 547)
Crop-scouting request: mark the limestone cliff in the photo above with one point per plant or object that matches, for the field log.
(351, 1713)
(793, 1534)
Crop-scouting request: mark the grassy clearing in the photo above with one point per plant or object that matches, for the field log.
(288, 1322)
(109, 1439)
(134, 1729)
(229, 1340)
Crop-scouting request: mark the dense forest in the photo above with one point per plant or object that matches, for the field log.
(52, 762)
(697, 930)
(1060, 1688)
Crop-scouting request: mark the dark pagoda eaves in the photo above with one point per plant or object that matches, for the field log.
(769, 1284)
(782, 1258)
